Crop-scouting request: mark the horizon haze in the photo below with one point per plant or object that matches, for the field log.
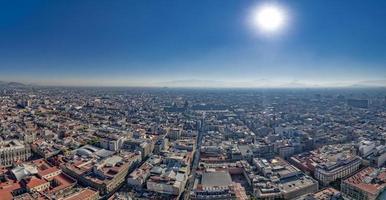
(193, 44)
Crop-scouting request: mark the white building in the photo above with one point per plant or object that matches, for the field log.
(12, 151)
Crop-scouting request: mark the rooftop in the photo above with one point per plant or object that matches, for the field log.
(369, 179)
(216, 179)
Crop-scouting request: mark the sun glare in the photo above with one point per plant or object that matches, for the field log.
(269, 18)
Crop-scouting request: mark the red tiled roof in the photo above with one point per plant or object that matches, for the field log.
(6, 191)
(64, 182)
(357, 180)
(48, 171)
(84, 194)
(6, 195)
(34, 182)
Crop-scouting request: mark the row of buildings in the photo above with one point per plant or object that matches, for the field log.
(166, 172)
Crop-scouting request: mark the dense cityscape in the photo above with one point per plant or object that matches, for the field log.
(70, 143)
(192, 100)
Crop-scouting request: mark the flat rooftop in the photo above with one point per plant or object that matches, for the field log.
(216, 179)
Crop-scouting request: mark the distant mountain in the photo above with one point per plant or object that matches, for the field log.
(373, 83)
(12, 84)
(16, 84)
(296, 84)
(191, 83)
(265, 83)
(259, 83)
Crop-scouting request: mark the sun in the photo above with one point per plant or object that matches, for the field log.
(269, 18)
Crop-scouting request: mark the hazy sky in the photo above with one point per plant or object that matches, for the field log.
(143, 42)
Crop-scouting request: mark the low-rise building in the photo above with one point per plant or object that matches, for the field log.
(325, 194)
(138, 177)
(83, 194)
(329, 163)
(278, 179)
(12, 151)
(214, 185)
(104, 174)
(367, 184)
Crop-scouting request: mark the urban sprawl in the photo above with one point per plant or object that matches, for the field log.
(63, 143)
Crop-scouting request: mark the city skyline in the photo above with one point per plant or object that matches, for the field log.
(192, 100)
(200, 44)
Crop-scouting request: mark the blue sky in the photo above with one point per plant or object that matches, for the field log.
(76, 42)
